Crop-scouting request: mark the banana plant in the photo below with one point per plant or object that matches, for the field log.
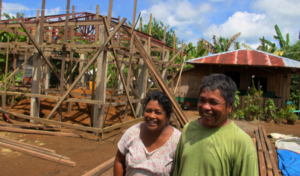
(280, 38)
(220, 44)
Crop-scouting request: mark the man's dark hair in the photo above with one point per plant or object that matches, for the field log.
(162, 99)
(222, 83)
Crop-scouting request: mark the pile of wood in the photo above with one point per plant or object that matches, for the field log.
(266, 162)
(36, 151)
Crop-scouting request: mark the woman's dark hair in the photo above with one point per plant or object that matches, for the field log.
(162, 99)
(220, 82)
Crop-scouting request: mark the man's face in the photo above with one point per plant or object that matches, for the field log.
(212, 109)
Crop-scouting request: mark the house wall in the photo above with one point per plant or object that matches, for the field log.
(191, 79)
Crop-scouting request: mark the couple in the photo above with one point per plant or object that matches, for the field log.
(209, 146)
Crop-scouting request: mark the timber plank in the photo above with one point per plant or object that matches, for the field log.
(266, 153)
(39, 155)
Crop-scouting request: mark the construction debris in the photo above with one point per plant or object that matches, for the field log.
(36, 151)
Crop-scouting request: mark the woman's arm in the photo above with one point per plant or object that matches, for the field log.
(119, 166)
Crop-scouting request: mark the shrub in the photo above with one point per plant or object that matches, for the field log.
(293, 118)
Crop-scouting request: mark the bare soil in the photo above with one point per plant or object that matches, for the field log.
(87, 153)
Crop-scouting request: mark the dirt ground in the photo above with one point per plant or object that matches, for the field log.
(88, 153)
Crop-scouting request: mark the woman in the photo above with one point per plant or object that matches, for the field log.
(148, 148)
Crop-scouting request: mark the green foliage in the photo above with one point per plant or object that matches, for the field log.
(293, 117)
(270, 108)
(254, 109)
(237, 99)
(254, 98)
(280, 114)
(246, 111)
(240, 113)
(280, 38)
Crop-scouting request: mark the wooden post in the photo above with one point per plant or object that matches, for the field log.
(120, 84)
(34, 108)
(6, 68)
(181, 61)
(81, 66)
(71, 60)
(142, 82)
(174, 53)
(47, 68)
(119, 32)
(98, 113)
(14, 62)
(149, 52)
(165, 57)
(63, 62)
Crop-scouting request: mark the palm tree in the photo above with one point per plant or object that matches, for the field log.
(220, 44)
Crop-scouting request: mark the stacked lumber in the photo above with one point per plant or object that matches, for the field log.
(266, 162)
(36, 151)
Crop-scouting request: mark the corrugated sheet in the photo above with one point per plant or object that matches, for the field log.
(247, 57)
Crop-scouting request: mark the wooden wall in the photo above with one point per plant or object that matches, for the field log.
(275, 78)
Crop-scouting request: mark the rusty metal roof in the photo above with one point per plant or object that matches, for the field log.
(247, 57)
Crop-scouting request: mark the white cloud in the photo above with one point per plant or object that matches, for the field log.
(179, 12)
(251, 25)
(261, 23)
(12, 9)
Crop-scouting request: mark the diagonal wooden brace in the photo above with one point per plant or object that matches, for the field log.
(120, 72)
(53, 68)
(86, 68)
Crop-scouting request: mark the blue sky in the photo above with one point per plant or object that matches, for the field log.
(193, 19)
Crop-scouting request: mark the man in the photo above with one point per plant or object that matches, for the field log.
(213, 145)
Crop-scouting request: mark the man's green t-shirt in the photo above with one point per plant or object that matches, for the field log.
(224, 151)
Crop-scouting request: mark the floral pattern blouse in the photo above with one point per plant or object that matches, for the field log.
(141, 162)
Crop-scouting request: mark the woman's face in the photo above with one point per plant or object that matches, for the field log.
(155, 116)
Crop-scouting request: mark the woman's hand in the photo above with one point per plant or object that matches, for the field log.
(119, 167)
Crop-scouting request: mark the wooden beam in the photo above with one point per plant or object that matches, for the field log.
(67, 125)
(27, 145)
(19, 130)
(101, 168)
(39, 155)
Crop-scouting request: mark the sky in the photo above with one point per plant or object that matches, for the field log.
(192, 19)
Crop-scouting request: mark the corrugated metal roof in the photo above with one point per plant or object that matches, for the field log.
(247, 57)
